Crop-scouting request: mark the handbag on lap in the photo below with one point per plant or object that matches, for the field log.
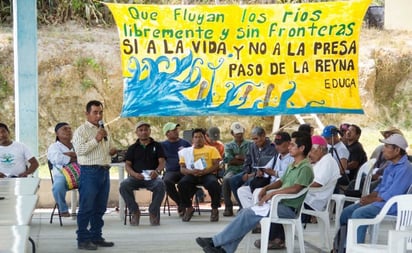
(71, 172)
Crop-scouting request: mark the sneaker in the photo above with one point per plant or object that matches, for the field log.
(214, 216)
(228, 212)
(135, 219)
(86, 245)
(213, 250)
(103, 243)
(154, 220)
(205, 242)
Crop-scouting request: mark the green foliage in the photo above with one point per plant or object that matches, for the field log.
(86, 84)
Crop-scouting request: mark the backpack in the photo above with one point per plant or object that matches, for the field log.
(339, 242)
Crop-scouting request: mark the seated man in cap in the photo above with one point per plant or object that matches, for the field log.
(381, 163)
(171, 147)
(199, 165)
(14, 156)
(145, 161)
(396, 180)
(59, 154)
(235, 153)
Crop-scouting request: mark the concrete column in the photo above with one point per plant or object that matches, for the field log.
(25, 72)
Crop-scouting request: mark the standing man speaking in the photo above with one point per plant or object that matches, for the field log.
(92, 146)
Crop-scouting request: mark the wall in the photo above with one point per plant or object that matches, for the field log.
(398, 15)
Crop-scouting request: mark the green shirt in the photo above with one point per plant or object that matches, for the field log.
(301, 174)
(231, 150)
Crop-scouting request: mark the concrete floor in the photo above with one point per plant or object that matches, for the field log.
(172, 235)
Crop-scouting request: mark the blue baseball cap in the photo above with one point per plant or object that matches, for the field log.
(330, 131)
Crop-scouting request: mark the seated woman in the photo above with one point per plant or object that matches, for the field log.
(60, 154)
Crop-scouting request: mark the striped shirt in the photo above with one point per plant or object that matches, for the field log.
(88, 150)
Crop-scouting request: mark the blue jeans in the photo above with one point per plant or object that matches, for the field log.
(234, 232)
(356, 211)
(59, 193)
(93, 195)
(245, 221)
(129, 185)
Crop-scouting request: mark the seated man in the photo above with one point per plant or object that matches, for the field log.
(60, 154)
(396, 180)
(235, 153)
(298, 176)
(172, 175)
(14, 156)
(357, 155)
(273, 170)
(199, 164)
(259, 153)
(326, 170)
(145, 161)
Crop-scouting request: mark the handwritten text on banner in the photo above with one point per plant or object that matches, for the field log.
(240, 59)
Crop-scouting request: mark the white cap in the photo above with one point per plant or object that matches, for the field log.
(237, 128)
(396, 139)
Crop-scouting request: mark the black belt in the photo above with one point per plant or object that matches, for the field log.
(104, 167)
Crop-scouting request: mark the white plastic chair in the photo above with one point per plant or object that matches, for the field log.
(340, 199)
(289, 225)
(403, 222)
(374, 230)
(322, 216)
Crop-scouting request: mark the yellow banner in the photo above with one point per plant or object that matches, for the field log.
(240, 59)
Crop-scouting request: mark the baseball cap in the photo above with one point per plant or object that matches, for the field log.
(142, 123)
(237, 128)
(344, 127)
(169, 126)
(329, 131)
(59, 125)
(281, 137)
(319, 140)
(391, 130)
(396, 139)
(213, 133)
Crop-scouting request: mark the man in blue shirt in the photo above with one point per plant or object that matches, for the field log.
(173, 175)
(396, 180)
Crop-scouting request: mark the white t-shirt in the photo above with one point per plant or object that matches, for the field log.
(14, 158)
(325, 171)
(282, 163)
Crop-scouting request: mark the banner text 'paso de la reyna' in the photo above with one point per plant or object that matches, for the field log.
(240, 59)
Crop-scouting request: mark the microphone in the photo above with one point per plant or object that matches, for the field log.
(101, 124)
